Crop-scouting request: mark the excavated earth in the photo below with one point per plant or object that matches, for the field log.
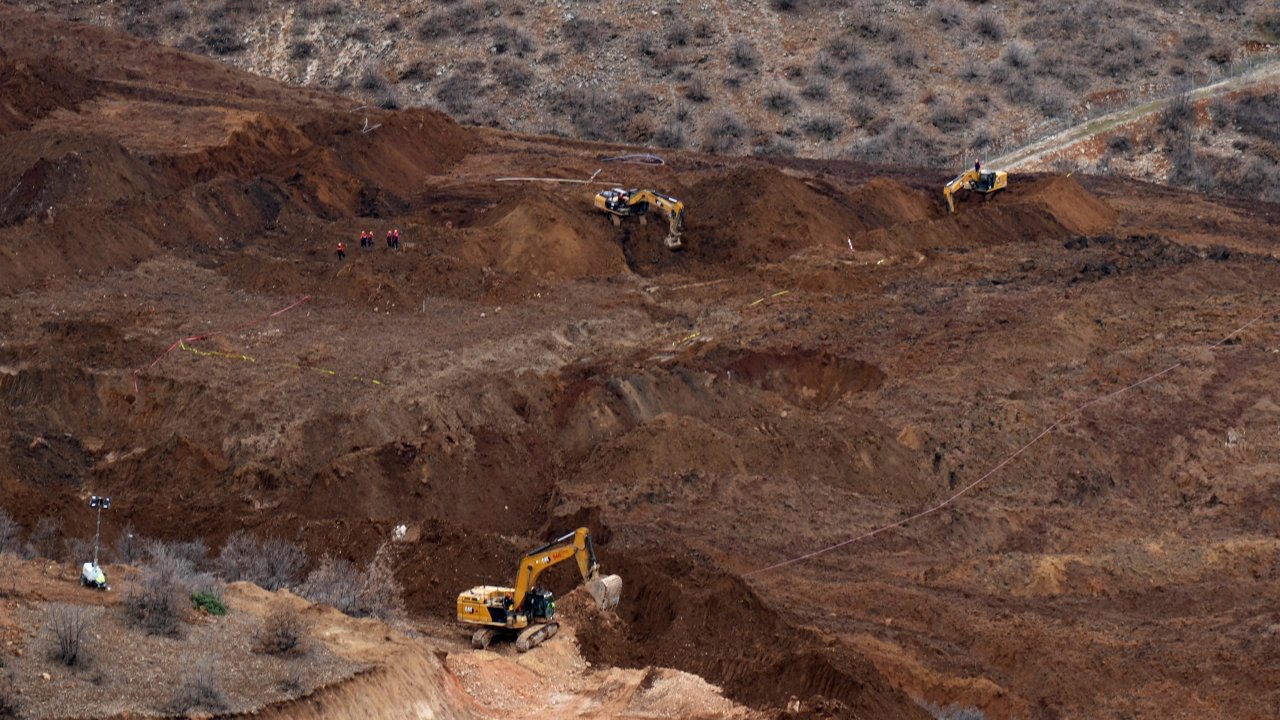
(833, 352)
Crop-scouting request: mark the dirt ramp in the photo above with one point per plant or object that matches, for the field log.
(881, 202)
(545, 232)
(1073, 207)
(1047, 209)
(694, 617)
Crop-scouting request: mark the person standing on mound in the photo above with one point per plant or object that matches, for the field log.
(342, 251)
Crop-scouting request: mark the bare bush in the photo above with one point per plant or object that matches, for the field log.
(156, 600)
(507, 38)
(381, 595)
(335, 582)
(1270, 23)
(77, 550)
(1017, 55)
(825, 127)
(512, 75)
(465, 19)
(949, 117)
(284, 632)
(10, 533)
(696, 90)
(743, 54)
(584, 34)
(459, 92)
(69, 625)
(679, 35)
(817, 89)
(949, 15)
(723, 133)
(871, 79)
(45, 539)
(282, 563)
(954, 712)
(372, 79)
(905, 56)
(671, 135)
(988, 23)
(222, 39)
(201, 690)
(780, 102)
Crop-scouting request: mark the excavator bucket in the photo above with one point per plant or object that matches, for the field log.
(606, 590)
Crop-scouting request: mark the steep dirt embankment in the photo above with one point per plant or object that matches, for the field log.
(1031, 208)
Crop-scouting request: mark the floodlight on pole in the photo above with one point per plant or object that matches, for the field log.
(101, 503)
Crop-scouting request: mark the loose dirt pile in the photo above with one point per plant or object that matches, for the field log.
(521, 367)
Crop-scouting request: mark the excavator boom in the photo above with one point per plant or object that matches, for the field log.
(981, 181)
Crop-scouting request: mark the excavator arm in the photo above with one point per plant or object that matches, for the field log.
(628, 203)
(986, 182)
(576, 545)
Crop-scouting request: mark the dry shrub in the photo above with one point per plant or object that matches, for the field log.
(284, 632)
(743, 54)
(271, 564)
(723, 133)
(156, 600)
(10, 533)
(697, 89)
(381, 595)
(69, 625)
(780, 102)
(987, 23)
(336, 583)
(201, 691)
(45, 539)
(372, 593)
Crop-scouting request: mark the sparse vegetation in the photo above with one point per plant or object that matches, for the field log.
(208, 602)
(155, 601)
(69, 626)
(10, 533)
(284, 632)
(201, 691)
(334, 582)
(723, 133)
(744, 55)
(271, 564)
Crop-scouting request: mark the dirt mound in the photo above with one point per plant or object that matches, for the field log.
(1054, 208)
(546, 232)
(741, 217)
(1073, 207)
(691, 616)
(881, 202)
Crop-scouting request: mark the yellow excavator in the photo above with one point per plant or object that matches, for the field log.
(527, 610)
(621, 203)
(976, 180)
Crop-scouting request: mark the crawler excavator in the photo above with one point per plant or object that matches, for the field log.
(528, 611)
(987, 182)
(621, 203)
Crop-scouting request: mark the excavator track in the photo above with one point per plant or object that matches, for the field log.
(532, 637)
(482, 637)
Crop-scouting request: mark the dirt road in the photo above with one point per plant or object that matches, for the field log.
(1032, 157)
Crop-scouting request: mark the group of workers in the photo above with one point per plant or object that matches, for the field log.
(366, 241)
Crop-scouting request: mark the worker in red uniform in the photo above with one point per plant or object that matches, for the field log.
(395, 239)
(342, 250)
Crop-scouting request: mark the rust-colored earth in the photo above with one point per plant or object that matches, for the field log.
(832, 352)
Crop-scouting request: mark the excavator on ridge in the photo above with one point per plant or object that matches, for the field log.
(621, 203)
(527, 610)
(987, 182)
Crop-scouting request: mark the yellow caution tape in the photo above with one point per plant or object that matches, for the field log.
(295, 366)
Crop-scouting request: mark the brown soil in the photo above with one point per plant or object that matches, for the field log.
(832, 352)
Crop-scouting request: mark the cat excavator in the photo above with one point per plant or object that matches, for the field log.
(976, 180)
(527, 610)
(621, 203)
